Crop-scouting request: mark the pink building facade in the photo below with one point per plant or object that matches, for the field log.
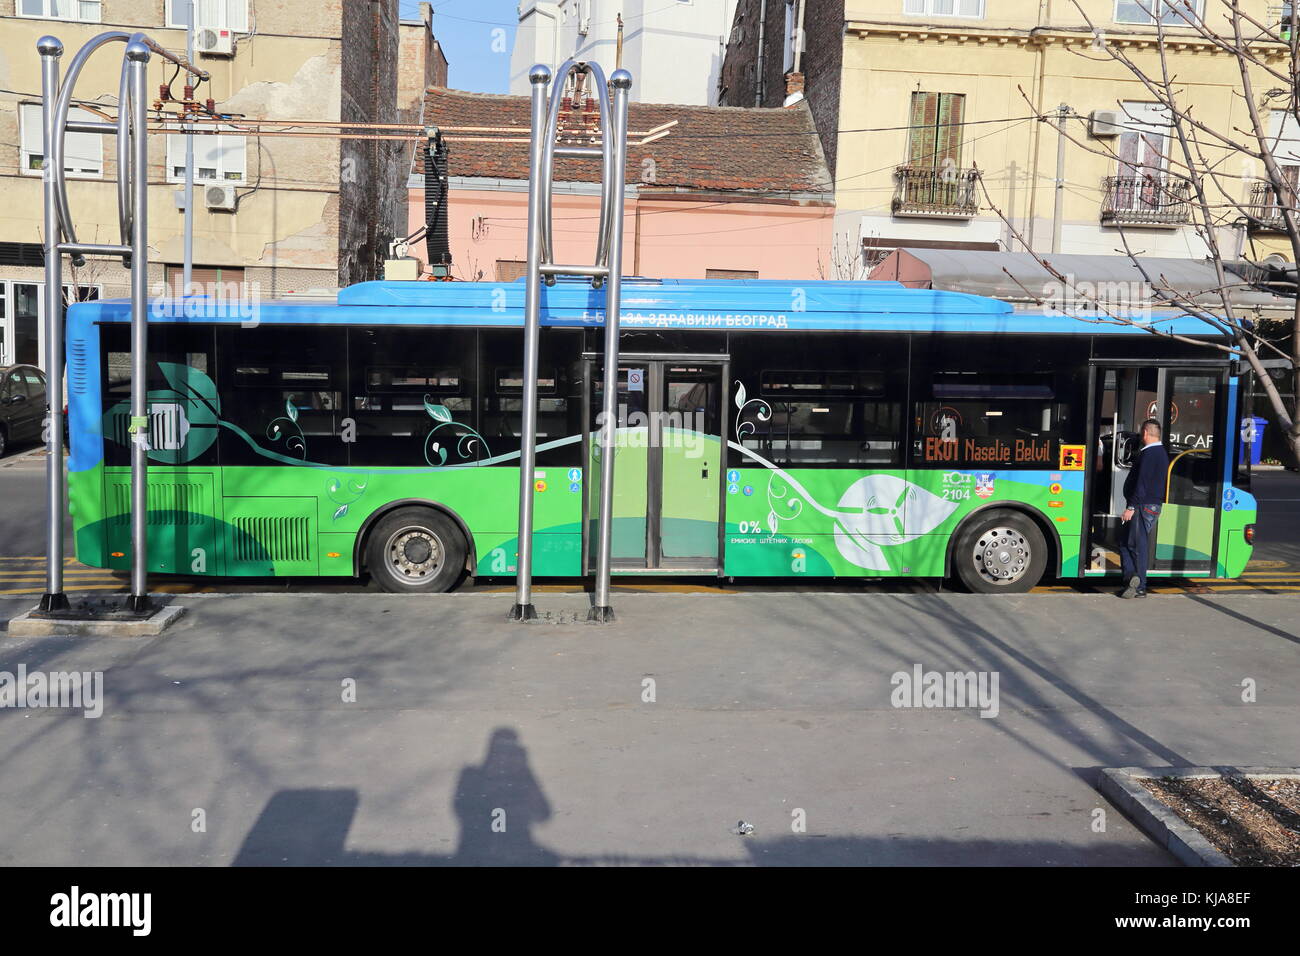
(722, 192)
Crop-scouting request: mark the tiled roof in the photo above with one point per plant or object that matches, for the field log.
(713, 148)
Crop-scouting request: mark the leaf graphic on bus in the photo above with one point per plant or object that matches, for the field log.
(291, 409)
(740, 394)
(340, 512)
(183, 417)
(438, 413)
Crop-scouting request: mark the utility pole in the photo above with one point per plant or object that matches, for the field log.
(187, 267)
(1059, 203)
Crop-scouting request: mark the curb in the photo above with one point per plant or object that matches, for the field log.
(27, 625)
(1122, 786)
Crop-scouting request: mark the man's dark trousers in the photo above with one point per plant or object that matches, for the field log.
(1135, 544)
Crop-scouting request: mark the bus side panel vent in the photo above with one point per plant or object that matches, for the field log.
(77, 380)
(284, 540)
(170, 505)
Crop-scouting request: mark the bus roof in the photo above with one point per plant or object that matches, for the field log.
(687, 304)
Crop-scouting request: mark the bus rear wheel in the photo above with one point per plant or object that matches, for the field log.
(416, 551)
(1000, 552)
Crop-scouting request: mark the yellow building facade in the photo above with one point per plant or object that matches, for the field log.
(927, 111)
(275, 215)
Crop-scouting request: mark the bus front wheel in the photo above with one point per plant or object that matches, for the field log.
(416, 551)
(1000, 552)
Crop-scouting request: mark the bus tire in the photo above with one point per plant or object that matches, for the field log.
(4, 441)
(416, 551)
(1000, 552)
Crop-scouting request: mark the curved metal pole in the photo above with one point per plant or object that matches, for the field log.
(548, 159)
(54, 599)
(61, 127)
(550, 127)
(124, 217)
(523, 609)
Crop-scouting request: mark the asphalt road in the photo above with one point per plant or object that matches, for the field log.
(319, 729)
(1275, 568)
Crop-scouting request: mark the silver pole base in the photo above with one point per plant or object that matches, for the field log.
(522, 613)
(601, 615)
(53, 601)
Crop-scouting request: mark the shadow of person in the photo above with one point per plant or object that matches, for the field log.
(497, 803)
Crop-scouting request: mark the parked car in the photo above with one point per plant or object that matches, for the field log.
(23, 405)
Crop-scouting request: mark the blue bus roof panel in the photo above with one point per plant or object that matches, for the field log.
(700, 304)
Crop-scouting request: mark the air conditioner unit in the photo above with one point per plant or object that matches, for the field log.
(1105, 123)
(221, 198)
(214, 41)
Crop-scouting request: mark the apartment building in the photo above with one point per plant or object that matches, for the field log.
(674, 48)
(926, 108)
(278, 215)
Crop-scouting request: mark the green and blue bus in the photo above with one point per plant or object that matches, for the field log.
(766, 430)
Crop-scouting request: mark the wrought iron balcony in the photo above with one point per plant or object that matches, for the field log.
(945, 192)
(1152, 199)
(1264, 210)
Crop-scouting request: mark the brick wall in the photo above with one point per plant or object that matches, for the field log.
(372, 190)
(823, 23)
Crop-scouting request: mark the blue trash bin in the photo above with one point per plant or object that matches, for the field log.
(1256, 446)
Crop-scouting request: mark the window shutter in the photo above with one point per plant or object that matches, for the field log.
(233, 152)
(951, 110)
(32, 134)
(82, 152)
(925, 108)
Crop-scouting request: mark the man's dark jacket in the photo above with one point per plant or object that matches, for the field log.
(1145, 484)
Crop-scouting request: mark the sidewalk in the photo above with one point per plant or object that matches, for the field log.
(763, 704)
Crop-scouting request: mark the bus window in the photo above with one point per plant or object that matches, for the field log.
(559, 397)
(185, 348)
(825, 401)
(993, 418)
(283, 387)
(413, 397)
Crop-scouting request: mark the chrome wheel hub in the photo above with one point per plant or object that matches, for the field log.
(414, 553)
(1002, 555)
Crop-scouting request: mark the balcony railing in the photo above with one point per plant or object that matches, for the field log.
(1153, 199)
(945, 192)
(1264, 210)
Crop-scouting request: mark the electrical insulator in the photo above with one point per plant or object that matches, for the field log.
(163, 92)
(211, 105)
(189, 92)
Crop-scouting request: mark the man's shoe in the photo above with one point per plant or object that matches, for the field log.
(1130, 588)
(1141, 593)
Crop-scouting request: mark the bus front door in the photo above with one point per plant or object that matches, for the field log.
(667, 464)
(1185, 402)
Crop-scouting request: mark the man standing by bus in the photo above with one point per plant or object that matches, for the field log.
(1144, 492)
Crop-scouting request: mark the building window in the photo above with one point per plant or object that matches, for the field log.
(794, 41)
(731, 273)
(83, 153)
(220, 282)
(221, 14)
(82, 11)
(217, 159)
(945, 8)
(1173, 12)
(935, 137)
(508, 270)
(1143, 144)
